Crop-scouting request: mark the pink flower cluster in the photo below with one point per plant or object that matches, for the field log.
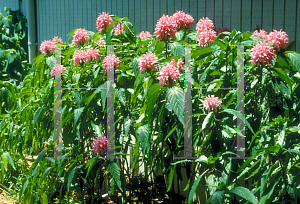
(82, 56)
(262, 53)
(179, 65)
(99, 145)
(168, 73)
(212, 103)
(103, 21)
(184, 21)
(58, 69)
(49, 46)
(279, 39)
(80, 37)
(111, 59)
(56, 39)
(145, 62)
(145, 34)
(101, 43)
(166, 27)
(120, 27)
(205, 31)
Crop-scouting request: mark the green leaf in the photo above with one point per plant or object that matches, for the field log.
(244, 193)
(135, 65)
(120, 94)
(217, 197)
(179, 35)
(286, 90)
(135, 154)
(50, 61)
(39, 157)
(202, 53)
(208, 121)
(77, 113)
(36, 116)
(143, 135)
(221, 44)
(71, 176)
(194, 187)
(295, 59)
(152, 94)
(175, 96)
(171, 177)
(114, 170)
(44, 199)
(127, 124)
(117, 18)
(239, 115)
(90, 164)
(97, 129)
(7, 159)
(72, 33)
(280, 73)
(170, 132)
(45, 173)
(177, 49)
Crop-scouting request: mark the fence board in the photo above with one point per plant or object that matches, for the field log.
(67, 21)
(137, 16)
(143, 15)
(210, 13)
(246, 16)
(256, 14)
(163, 8)
(290, 19)
(108, 7)
(177, 6)
(150, 15)
(298, 34)
(125, 8)
(267, 21)
(131, 12)
(278, 17)
(194, 12)
(227, 14)
(63, 21)
(186, 6)
(156, 15)
(171, 7)
(114, 7)
(236, 15)
(218, 13)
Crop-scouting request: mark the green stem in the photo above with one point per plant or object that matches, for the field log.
(166, 49)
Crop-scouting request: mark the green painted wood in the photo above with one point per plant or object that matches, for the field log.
(256, 13)
(178, 6)
(108, 7)
(137, 16)
(144, 15)
(157, 15)
(278, 14)
(218, 13)
(186, 6)
(68, 21)
(150, 15)
(171, 7)
(94, 15)
(201, 10)
(63, 21)
(236, 14)
(210, 10)
(114, 7)
(194, 12)
(298, 36)
(290, 19)
(163, 8)
(267, 23)
(131, 12)
(125, 8)
(227, 14)
(55, 23)
(246, 16)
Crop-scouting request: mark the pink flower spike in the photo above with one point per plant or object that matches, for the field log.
(47, 46)
(212, 103)
(166, 28)
(103, 21)
(101, 43)
(205, 36)
(262, 53)
(56, 39)
(204, 24)
(80, 37)
(180, 65)
(169, 74)
(58, 69)
(279, 39)
(145, 35)
(120, 27)
(100, 145)
(184, 21)
(111, 58)
(93, 54)
(261, 33)
(80, 57)
(145, 62)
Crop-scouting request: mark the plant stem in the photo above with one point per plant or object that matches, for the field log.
(166, 49)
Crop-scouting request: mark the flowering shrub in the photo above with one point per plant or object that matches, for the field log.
(150, 106)
(81, 37)
(47, 46)
(120, 27)
(184, 21)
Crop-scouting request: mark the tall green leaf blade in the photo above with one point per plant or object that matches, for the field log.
(171, 177)
(39, 157)
(143, 135)
(208, 121)
(175, 96)
(36, 116)
(153, 94)
(279, 72)
(8, 159)
(295, 59)
(45, 173)
(135, 154)
(114, 170)
(77, 113)
(244, 193)
(135, 65)
(71, 176)
(177, 49)
(194, 187)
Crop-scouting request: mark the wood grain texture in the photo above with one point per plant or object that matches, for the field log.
(236, 14)
(227, 14)
(278, 14)
(290, 19)
(267, 15)
(256, 13)
(218, 13)
(194, 12)
(246, 16)
(150, 16)
(298, 31)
